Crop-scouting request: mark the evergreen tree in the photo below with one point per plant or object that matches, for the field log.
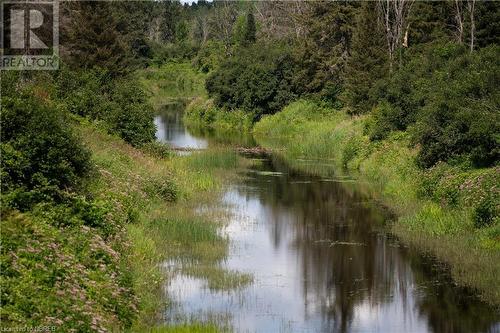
(92, 38)
(250, 30)
(325, 47)
(244, 30)
(368, 60)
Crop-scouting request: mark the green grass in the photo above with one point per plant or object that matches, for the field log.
(213, 159)
(187, 328)
(219, 278)
(451, 211)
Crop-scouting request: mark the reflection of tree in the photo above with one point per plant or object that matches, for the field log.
(312, 215)
(449, 308)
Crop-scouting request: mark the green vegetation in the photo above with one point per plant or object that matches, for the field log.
(91, 205)
(90, 222)
(257, 79)
(405, 94)
(144, 188)
(446, 208)
(202, 113)
(172, 81)
(85, 214)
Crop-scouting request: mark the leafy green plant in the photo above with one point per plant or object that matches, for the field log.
(41, 157)
(257, 79)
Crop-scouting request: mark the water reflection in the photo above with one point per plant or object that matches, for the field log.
(170, 128)
(322, 263)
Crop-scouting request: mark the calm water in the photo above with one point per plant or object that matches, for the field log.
(171, 130)
(322, 263)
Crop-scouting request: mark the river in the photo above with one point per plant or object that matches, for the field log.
(321, 258)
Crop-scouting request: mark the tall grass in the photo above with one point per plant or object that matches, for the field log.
(213, 159)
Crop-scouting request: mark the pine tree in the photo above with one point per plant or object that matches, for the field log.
(250, 29)
(244, 30)
(92, 38)
(368, 60)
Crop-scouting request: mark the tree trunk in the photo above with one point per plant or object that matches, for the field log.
(460, 21)
(471, 4)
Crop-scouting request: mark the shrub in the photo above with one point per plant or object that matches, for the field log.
(258, 79)
(452, 98)
(157, 149)
(120, 103)
(474, 189)
(210, 56)
(129, 115)
(41, 157)
(379, 126)
(203, 114)
(161, 188)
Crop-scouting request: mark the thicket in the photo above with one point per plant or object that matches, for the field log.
(120, 103)
(449, 99)
(258, 80)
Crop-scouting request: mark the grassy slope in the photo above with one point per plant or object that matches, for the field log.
(304, 130)
(156, 200)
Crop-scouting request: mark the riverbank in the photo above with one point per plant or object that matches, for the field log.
(156, 200)
(457, 223)
(440, 210)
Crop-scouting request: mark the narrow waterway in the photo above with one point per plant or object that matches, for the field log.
(321, 258)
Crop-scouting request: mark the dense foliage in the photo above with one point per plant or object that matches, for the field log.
(119, 102)
(257, 80)
(41, 158)
(450, 99)
(60, 266)
(64, 255)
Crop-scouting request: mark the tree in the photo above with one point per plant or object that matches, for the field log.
(244, 30)
(368, 59)
(92, 38)
(181, 32)
(325, 47)
(394, 14)
(471, 5)
(250, 30)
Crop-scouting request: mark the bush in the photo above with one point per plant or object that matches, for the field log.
(83, 92)
(129, 115)
(460, 187)
(41, 157)
(202, 113)
(379, 127)
(157, 149)
(121, 103)
(210, 56)
(258, 79)
(450, 99)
